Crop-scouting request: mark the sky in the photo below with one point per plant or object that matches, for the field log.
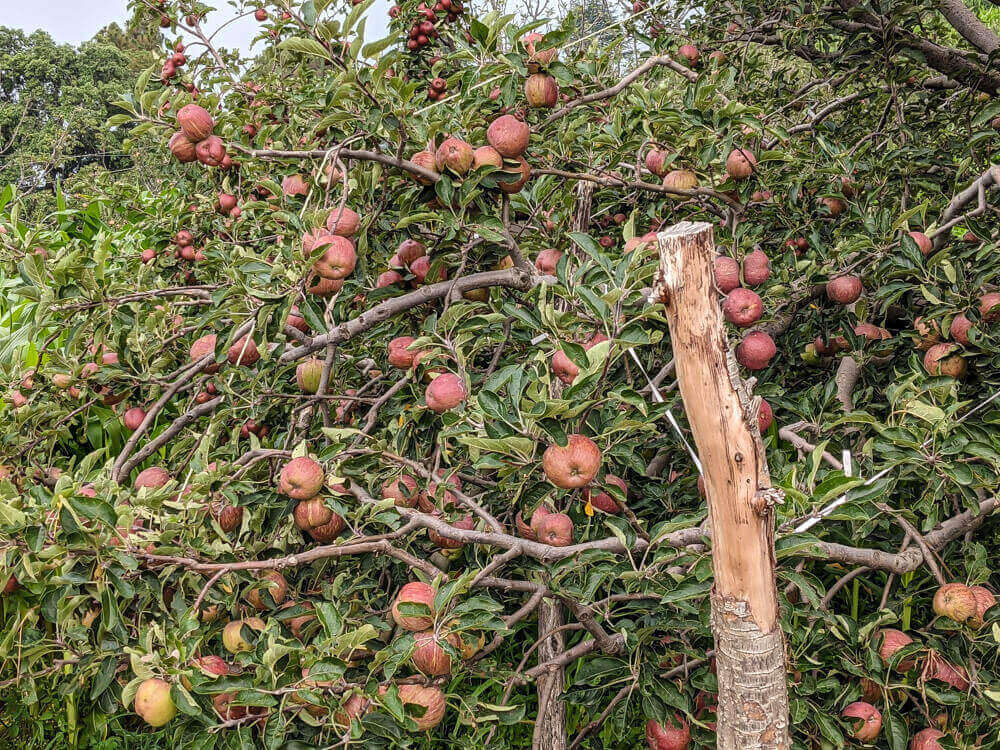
(65, 21)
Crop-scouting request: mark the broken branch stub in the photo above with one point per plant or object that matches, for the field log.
(750, 655)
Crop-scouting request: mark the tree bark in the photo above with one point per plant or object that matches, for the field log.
(750, 652)
(550, 725)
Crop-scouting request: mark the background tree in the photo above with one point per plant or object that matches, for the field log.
(319, 434)
(55, 100)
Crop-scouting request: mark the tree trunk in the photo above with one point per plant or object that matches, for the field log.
(749, 644)
(550, 726)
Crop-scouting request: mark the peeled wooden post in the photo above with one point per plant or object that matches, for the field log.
(749, 644)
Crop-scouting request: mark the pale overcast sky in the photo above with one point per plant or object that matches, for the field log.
(75, 21)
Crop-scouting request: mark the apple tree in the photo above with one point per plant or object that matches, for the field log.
(357, 422)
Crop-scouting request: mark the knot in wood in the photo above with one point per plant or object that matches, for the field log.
(659, 292)
(765, 499)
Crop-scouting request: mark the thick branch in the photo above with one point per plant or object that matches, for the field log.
(967, 23)
(512, 278)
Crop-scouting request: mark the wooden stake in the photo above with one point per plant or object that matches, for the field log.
(749, 644)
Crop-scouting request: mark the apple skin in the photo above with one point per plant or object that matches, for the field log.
(603, 500)
(672, 735)
(301, 478)
(868, 720)
(445, 392)
(416, 592)
(153, 702)
(574, 465)
(233, 639)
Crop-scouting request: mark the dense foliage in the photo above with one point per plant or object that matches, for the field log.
(131, 539)
(55, 100)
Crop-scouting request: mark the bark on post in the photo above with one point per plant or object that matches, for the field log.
(749, 644)
(550, 725)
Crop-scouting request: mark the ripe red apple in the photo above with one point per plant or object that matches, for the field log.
(343, 222)
(959, 330)
(742, 307)
(690, 53)
(402, 490)
(183, 148)
(756, 350)
(989, 307)
(604, 500)
(153, 702)
(892, 641)
(926, 739)
(317, 520)
(940, 669)
(656, 161)
(765, 416)
(756, 268)
(942, 359)
(148, 255)
(573, 465)
(727, 273)
(868, 722)
(400, 354)
(205, 346)
(294, 184)
(555, 529)
(275, 586)
(295, 320)
(429, 699)
(508, 135)
(133, 418)
(955, 601)
(547, 261)
(741, 163)
(564, 368)
(844, 290)
(486, 156)
(454, 154)
(388, 278)
(153, 478)
(260, 14)
(670, 735)
(429, 502)
(211, 152)
(211, 666)
(445, 392)
(429, 656)
(541, 91)
(409, 250)
(421, 267)
(924, 243)
(466, 523)
(229, 517)
(513, 179)
(338, 259)
(301, 478)
(354, 707)
(195, 122)
(536, 56)
(410, 605)
(243, 352)
(226, 203)
(426, 160)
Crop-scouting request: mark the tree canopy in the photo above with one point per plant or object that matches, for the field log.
(354, 422)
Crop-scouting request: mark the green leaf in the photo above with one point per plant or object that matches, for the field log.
(305, 46)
